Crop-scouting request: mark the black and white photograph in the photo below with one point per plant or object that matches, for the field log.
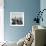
(16, 18)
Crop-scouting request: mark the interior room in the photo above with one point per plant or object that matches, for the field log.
(23, 23)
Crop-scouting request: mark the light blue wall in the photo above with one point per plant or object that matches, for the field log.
(29, 7)
(43, 6)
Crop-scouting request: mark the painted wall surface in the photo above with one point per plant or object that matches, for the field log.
(43, 6)
(29, 7)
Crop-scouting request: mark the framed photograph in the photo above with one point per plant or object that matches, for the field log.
(16, 18)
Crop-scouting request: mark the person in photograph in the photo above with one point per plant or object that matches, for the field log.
(16, 20)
